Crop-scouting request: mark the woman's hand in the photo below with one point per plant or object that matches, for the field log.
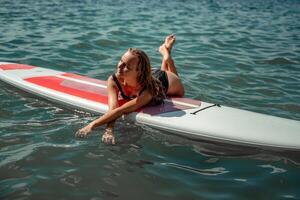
(82, 133)
(108, 136)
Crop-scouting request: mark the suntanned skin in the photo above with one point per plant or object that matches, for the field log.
(127, 75)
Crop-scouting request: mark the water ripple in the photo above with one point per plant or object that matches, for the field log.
(207, 172)
(243, 54)
(275, 170)
(15, 153)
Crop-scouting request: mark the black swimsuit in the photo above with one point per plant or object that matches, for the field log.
(157, 73)
(124, 96)
(162, 77)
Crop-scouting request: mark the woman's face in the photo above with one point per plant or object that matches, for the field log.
(127, 66)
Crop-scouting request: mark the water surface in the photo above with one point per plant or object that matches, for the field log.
(235, 53)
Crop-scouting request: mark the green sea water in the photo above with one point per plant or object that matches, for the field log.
(243, 54)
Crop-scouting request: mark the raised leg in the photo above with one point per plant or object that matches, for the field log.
(175, 86)
(165, 50)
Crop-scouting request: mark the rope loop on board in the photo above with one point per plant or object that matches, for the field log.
(194, 113)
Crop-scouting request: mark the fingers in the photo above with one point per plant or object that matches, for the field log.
(108, 139)
(104, 138)
(80, 134)
(83, 132)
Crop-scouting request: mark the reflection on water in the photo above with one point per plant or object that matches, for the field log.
(236, 53)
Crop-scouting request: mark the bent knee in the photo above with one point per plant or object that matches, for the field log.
(175, 86)
(181, 92)
(176, 91)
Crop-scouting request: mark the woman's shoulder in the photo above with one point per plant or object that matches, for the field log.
(110, 78)
(111, 82)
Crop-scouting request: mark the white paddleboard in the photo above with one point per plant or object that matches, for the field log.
(191, 118)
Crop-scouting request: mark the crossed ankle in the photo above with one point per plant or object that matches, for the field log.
(167, 58)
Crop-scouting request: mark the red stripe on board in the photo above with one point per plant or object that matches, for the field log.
(15, 66)
(54, 83)
(84, 78)
(183, 100)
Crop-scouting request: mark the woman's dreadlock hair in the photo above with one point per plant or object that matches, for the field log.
(145, 78)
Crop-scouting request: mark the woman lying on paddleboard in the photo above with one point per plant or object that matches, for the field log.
(136, 82)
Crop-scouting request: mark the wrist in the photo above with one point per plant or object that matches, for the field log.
(109, 130)
(91, 125)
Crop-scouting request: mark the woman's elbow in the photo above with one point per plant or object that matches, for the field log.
(118, 112)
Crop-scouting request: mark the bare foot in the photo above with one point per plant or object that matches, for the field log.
(165, 48)
(169, 42)
(164, 52)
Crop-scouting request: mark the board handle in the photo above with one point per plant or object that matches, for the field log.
(194, 113)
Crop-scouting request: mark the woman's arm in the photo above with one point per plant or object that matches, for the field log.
(126, 108)
(112, 98)
(112, 91)
(108, 135)
(117, 112)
